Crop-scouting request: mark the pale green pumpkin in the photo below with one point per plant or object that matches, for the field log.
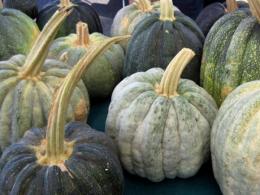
(160, 123)
(235, 141)
(105, 71)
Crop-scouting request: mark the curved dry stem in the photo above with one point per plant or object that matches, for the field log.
(255, 8)
(170, 80)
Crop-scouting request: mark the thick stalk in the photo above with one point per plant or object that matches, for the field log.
(56, 120)
(167, 10)
(170, 80)
(1, 4)
(231, 5)
(65, 3)
(255, 8)
(144, 5)
(82, 34)
(39, 51)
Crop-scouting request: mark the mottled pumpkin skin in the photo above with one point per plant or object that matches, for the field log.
(25, 103)
(154, 43)
(92, 168)
(235, 141)
(26, 6)
(81, 12)
(231, 54)
(210, 14)
(160, 137)
(105, 71)
(128, 17)
(17, 33)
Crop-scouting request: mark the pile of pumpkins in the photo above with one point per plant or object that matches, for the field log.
(182, 90)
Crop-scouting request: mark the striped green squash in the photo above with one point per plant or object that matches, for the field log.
(17, 33)
(105, 71)
(231, 52)
(28, 83)
(235, 141)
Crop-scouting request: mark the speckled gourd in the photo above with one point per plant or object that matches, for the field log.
(71, 159)
(231, 52)
(28, 83)
(18, 32)
(161, 123)
(235, 141)
(159, 37)
(106, 71)
(129, 16)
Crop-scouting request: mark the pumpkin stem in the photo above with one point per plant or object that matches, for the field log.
(255, 8)
(231, 5)
(170, 80)
(55, 130)
(65, 3)
(167, 10)
(37, 55)
(83, 34)
(1, 4)
(144, 5)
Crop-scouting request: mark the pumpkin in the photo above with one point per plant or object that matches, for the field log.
(71, 159)
(81, 12)
(159, 37)
(129, 16)
(28, 83)
(106, 71)
(210, 14)
(18, 32)
(26, 6)
(161, 130)
(231, 52)
(235, 141)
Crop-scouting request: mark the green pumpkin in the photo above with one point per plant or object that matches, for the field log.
(235, 141)
(129, 16)
(18, 32)
(106, 71)
(28, 83)
(161, 130)
(159, 37)
(231, 53)
(71, 159)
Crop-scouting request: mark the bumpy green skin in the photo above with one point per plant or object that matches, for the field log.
(231, 54)
(93, 168)
(105, 71)
(26, 6)
(128, 17)
(26, 103)
(235, 141)
(17, 33)
(154, 43)
(160, 137)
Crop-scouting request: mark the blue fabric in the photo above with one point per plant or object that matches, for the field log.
(202, 183)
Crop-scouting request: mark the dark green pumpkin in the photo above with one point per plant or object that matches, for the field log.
(231, 54)
(17, 33)
(159, 37)
(81, 12)
(64, 160)
(106, 71)
(28, 83)
(210, 14)
(26, 6)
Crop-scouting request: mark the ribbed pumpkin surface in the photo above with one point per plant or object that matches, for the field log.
(235, 141)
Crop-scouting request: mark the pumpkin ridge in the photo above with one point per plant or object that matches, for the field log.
(23, 178)
(142, 169)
